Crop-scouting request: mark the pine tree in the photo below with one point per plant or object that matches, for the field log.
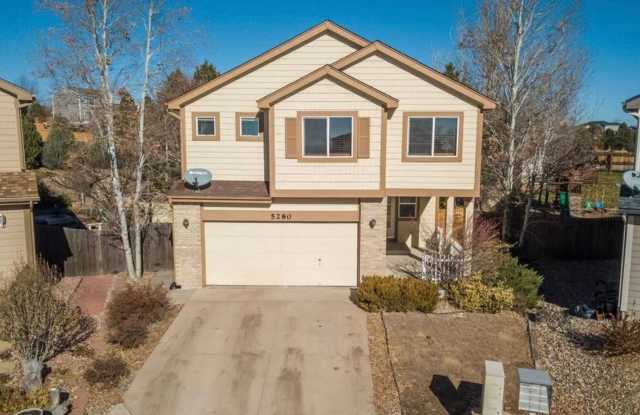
(204, 73)
(451, 71)
(56, 150)
(32, 143)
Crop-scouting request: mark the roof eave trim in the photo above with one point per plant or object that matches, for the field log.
(282, 49)
(14, 200)
(485, 102)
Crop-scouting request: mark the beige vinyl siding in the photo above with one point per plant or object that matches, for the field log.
(418, 95)
(10, 156)
(633, 284)
(326, 95)
(229, 159)
(14, 241)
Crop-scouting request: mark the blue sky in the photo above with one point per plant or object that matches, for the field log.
(228, 33)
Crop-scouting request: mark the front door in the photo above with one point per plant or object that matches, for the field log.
(391, 218)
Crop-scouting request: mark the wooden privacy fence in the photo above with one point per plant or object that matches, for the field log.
(84, 252)
(573, 238)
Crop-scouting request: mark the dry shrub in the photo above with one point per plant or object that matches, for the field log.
(106, 371)
(396, 294)
(13, 400)
(473, 294)
(132, 310)
(39, 321)
(622, 336)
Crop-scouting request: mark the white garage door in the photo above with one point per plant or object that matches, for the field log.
(257, 253)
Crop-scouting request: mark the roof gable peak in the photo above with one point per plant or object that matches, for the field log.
(328, 71)
(443, 81)
(325, 27)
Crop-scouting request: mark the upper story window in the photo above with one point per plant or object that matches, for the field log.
(205, 126)
(432, 136)
(249, 126)
(327, 136)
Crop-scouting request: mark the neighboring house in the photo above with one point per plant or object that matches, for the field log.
(74, 104)
(18, 187)
(328, 152)
(629, 205)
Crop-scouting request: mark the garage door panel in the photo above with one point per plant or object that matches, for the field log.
(281, 253)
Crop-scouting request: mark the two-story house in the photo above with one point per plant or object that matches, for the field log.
(18, 187)
(325, 151)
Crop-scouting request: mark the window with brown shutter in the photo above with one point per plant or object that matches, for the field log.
(291, 138)
(363, 138)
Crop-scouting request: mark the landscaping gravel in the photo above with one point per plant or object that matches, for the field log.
(585, 381)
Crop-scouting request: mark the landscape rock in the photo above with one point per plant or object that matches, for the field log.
(4, 348)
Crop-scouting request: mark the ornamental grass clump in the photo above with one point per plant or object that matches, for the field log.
(39, 321)
(396, 294)
(106, 371)
(622, 336)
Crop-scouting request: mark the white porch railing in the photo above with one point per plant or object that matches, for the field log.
(444, 264)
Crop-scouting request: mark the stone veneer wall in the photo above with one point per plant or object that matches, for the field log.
(373, 241)
(187, 246)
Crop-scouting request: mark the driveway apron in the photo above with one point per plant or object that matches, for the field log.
(255, 350)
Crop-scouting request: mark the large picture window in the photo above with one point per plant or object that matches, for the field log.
(432, 136)
(327, 136)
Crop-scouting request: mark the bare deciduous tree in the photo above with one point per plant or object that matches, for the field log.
(105, 46)
(38, 321)
(525, 54)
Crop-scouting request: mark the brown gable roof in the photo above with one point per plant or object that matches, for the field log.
(19, 186)
(455, 87)
(222, 190)
(16, 91)
(270, 55)
(328, 71)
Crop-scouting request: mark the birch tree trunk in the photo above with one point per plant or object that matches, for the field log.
(101, 45)
(140, 167)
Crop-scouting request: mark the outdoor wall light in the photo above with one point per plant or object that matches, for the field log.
(3, 221)
(372, 223)
(185, 223)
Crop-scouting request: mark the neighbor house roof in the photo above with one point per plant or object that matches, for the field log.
(19, 186)
(453, 86)
(632, 104)
(22, 94)
(332, 73)
(326, 27)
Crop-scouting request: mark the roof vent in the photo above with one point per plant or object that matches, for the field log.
(198, 179)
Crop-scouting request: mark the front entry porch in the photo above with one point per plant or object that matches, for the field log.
(412, 221)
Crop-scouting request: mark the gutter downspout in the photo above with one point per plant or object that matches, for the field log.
(622, 263)
(637, 160)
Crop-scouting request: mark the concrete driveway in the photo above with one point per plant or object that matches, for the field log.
(254, 350)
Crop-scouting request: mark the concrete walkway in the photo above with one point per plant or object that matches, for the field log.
(259, 351)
